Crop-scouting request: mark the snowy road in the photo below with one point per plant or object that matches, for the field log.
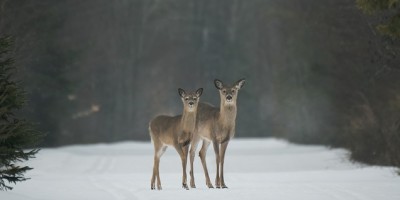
(254, 169)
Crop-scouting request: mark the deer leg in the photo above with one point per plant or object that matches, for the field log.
(222, 156)
(159, 151)
(202, 155)
(193, 147)
(157, 148)
(157, 166)
(218, 160)
(185, 153)
(153, 177)
(181, 153)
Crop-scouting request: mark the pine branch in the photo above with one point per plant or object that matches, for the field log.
(15, 134)
(13, 174)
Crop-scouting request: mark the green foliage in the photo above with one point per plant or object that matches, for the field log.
(373, 131)
(372, 6)
(391, 26)
(15, 134)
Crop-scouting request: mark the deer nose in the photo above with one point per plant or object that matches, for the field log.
(229, 97)
(191, 103)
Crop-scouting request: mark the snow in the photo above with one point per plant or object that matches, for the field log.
(254, 169)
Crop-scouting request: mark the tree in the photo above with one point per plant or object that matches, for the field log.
(15, 134)
(391, 22)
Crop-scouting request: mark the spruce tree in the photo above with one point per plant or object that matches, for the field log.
(15, 134)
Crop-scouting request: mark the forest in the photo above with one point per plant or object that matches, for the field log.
(317, 72)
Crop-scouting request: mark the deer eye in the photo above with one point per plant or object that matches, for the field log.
(224, 91)
(194, 98)
(233, 91)
(186, 98)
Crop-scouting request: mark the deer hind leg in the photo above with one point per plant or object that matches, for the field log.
(158, 167)
(153, 177)
(218, 161)
(193, 148)
(222, 159)
(156, 160)
(159, 150)
(202, 155)
(181, 151)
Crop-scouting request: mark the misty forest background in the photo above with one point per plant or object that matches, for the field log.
(317, 72)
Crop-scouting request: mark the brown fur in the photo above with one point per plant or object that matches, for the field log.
(216, 126)
(174, 131)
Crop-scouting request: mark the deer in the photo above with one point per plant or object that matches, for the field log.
(217, 126)
(175, 131)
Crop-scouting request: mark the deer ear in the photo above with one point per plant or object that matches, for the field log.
(181, 92)
(218, 84)
(239, 84)
(199, 92)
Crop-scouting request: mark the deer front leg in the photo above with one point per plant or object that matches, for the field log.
(181, 151)
(193, 147)
(185, 153)
(218, 160)
(222, 159)
(202, 155)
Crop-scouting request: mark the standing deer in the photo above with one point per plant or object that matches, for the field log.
(174, 131)
(216, 125)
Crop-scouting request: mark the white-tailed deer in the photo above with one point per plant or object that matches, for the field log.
(174, 131)
(216, 125)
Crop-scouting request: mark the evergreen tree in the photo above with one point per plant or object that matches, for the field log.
(15, 134)
(391, 18)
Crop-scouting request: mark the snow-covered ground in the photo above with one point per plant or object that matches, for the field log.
(254, 169)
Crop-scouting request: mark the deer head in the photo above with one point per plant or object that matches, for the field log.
(190, 100)
(228, 93)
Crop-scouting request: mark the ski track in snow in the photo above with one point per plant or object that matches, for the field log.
(254, 169)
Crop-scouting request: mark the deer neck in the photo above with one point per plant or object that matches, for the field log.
(227, 115)
(188, 120)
